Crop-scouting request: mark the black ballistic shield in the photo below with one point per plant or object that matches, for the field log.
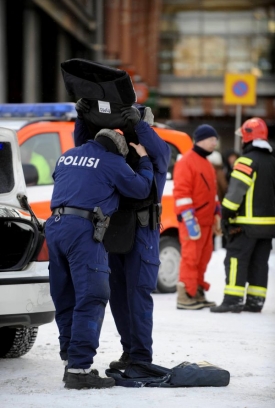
(107, 89)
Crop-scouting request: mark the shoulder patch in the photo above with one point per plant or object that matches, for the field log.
(243, 168)
(244, 160)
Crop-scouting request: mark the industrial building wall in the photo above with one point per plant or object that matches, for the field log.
(33, 43)
(131, 37)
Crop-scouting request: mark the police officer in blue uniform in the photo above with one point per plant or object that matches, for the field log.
(134, 274)
(87, 183)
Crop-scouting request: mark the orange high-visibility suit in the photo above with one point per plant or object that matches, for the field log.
(195, 188)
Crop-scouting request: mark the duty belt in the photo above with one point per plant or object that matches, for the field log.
(89, 215)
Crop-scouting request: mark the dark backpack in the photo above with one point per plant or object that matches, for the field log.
(142, 374)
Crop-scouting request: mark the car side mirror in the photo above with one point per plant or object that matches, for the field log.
(30, 174)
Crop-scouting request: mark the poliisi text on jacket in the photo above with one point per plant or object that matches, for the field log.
(78, 161)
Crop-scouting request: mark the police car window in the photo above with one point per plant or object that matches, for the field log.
(42, 151)
(174, 156)
(6, 169)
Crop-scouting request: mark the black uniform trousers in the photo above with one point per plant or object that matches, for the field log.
(246, 261)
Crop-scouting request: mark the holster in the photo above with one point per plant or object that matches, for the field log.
(150, 216)
(143, 217)
(155, 215)
(100, 228)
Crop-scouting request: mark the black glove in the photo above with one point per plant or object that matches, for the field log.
(82, 106)
(226, 213)
(225, 227)
(131, 114)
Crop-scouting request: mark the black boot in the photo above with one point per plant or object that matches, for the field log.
(90, 380)
(254, 304)
(94, 371)
(233, 304)
(122, 363)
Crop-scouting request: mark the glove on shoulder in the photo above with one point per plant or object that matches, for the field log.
(191, 223)
(131, 114)
(148, 116)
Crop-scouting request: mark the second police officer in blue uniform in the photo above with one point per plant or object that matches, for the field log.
(87, 183)
(134, 274)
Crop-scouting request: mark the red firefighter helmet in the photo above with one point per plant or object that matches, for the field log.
(254, 128)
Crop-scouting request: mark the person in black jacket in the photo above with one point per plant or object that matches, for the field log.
(248, 221)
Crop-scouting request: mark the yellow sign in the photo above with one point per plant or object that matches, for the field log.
(239, 89)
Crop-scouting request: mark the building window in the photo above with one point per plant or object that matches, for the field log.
(207, 44)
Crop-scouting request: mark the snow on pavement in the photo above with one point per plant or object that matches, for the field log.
(243, 344)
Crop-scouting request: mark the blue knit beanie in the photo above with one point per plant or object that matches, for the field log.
(204, 132)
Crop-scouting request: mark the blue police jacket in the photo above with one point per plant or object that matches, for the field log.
(157, 149)
(89, 176)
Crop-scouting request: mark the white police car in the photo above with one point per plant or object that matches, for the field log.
(25, 301)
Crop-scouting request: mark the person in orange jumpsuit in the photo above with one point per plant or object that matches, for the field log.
(198, 211)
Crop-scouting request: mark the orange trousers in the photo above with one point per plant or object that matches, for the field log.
(195, 255)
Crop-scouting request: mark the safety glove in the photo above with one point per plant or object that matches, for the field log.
(130, 114)
(148, 116)
(191, 223)
(225, 224)
(225, 227)
(229, 230)
(82, 106)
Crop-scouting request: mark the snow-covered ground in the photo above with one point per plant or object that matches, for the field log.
(243, 344)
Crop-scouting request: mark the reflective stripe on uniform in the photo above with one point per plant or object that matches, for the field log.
(256, 291)
(234, 290)
(249, 198)
(231, 288)
(242, 177)
(253, 220)
(183, 201)
(230, 205)
(233, 271)
(244, 168)
(244, 160)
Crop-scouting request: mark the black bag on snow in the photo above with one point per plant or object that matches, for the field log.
(141, 374)
(107, 89)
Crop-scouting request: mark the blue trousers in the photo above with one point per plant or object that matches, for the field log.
(132, 280)
(79, 284)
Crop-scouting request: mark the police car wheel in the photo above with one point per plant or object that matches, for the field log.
(15, 342)
(169, 253)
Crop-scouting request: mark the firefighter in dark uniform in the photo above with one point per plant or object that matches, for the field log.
(87, 183)
(134, 274)
(248, 221)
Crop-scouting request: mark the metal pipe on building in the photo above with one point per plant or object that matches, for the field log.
(99, 31)
(3, 54)
(31, 57)
(62, 55)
